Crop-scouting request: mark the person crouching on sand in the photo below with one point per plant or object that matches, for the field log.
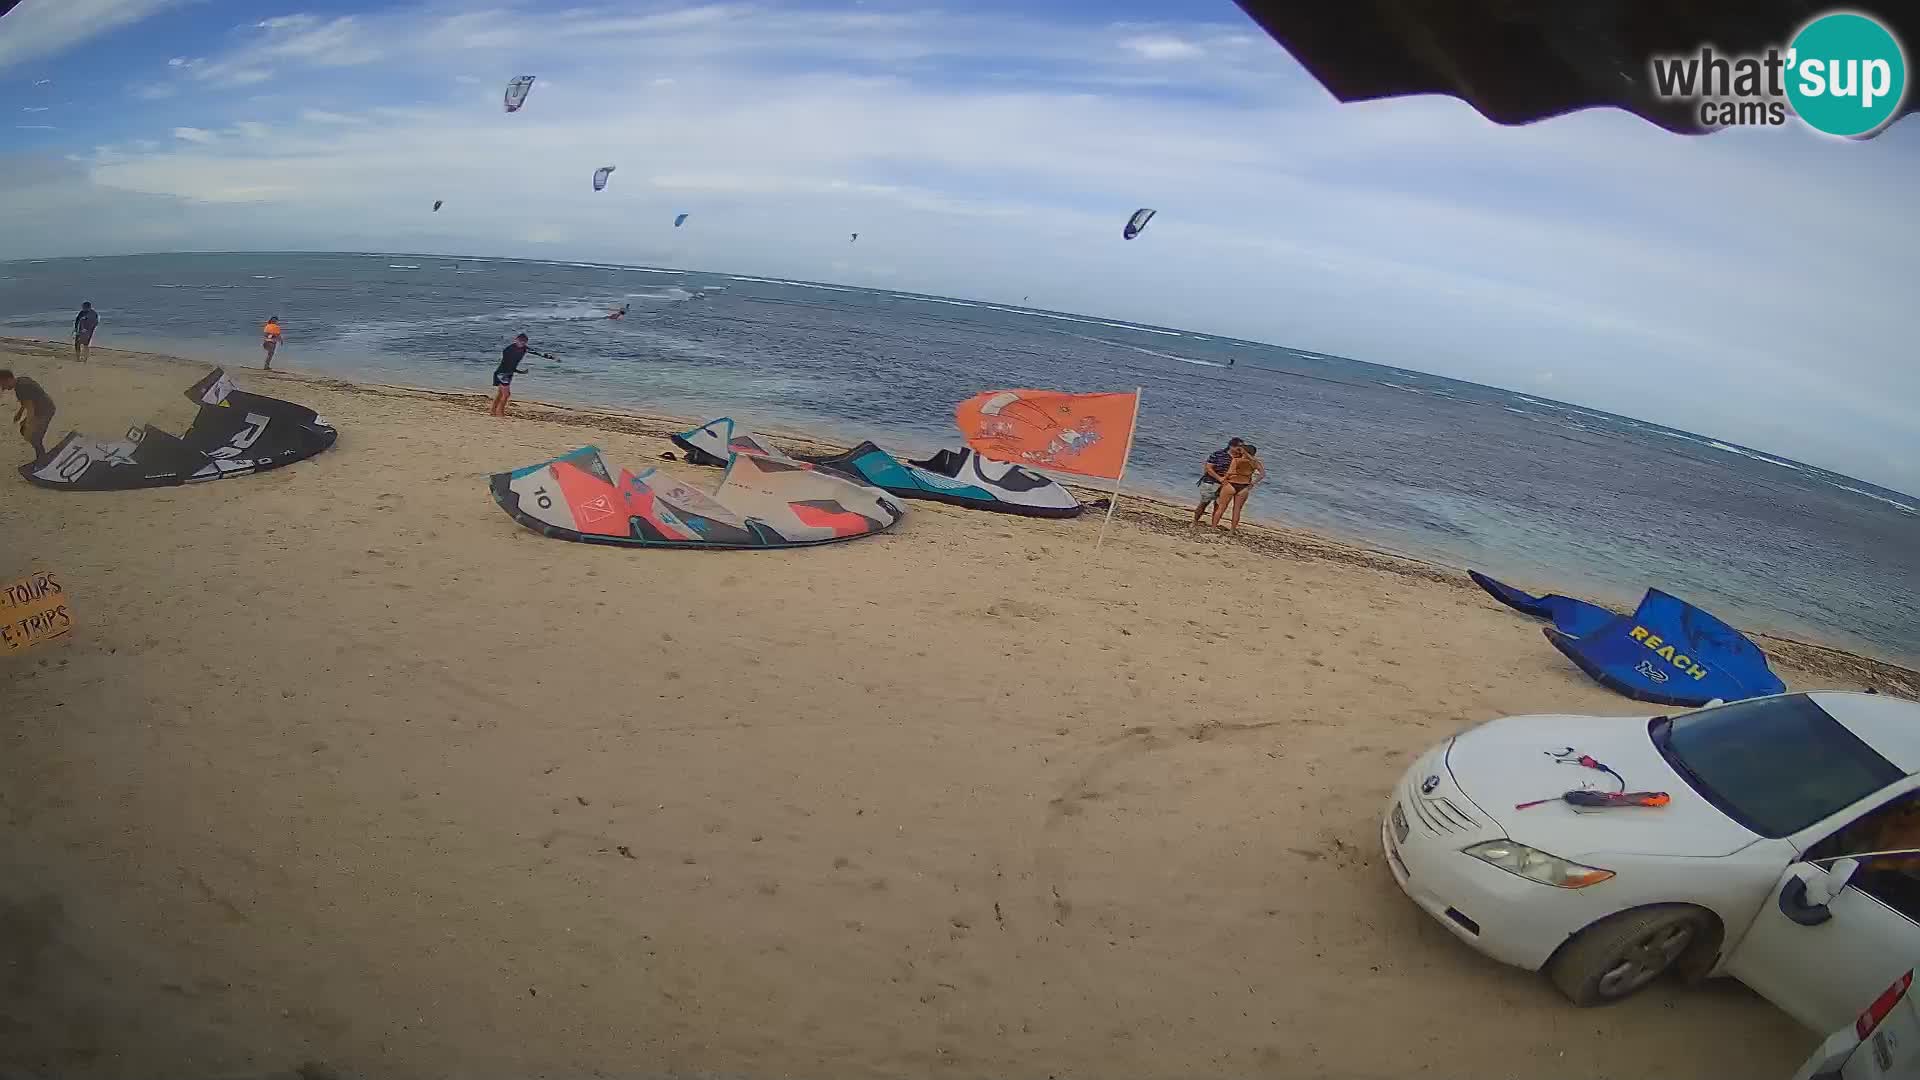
(1243, 471)
(510, 358)
(1215, 468)
(270, 339)
(35, 411)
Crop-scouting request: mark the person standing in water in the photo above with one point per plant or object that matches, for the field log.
(35, 411)
(84, 324)
(1243, 471)
(510, 358)
(270, 339)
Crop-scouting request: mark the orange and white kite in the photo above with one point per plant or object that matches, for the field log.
(1088, 434)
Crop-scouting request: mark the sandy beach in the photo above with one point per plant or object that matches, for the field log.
(342, 765)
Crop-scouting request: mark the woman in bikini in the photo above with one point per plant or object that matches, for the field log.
(1243, 471)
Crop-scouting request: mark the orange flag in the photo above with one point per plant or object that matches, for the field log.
(1088, 434)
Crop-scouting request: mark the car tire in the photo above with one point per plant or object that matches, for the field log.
(1622, 954)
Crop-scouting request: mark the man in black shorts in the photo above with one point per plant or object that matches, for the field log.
(84, 324)
(510, 358)
(1214, 469)
(35, 411)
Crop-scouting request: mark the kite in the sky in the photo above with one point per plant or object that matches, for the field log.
(436, 205)
(679, 220)
(856, 236)
(517, 90)
(600, 176)
(1137, 222)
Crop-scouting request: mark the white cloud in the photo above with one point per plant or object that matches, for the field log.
(338, 42)
(43, 29)
(35, 127)
(1162, 47)
(42, 82)
(251, 129)
(1410, 232)
(236, 73)
(34, 108)
(544, 234)
(153, 91)
(194, 135)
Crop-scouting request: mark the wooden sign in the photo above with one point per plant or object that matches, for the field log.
(32, 610)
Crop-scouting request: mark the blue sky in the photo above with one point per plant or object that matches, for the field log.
(1754, 285)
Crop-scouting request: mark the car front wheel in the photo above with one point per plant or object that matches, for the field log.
(1618, 956)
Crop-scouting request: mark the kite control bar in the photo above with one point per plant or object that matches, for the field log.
(1584, 797)
(1589, 797)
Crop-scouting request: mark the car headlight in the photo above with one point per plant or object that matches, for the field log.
(1538, 865)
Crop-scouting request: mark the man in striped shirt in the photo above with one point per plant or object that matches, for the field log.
(1216, 468)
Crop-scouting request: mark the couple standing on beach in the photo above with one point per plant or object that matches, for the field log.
(1228, 480)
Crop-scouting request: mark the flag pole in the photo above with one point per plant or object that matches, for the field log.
(1114, 499)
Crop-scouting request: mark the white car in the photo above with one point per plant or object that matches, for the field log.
(1744, 871)
(1883, 1044)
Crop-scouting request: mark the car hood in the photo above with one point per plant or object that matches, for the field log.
(1510, 761)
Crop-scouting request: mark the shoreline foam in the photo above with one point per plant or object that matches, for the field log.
(1147, 511)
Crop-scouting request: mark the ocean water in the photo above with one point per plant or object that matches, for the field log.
(1537, 492)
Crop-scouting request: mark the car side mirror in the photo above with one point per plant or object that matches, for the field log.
(1807, 893)
(1822, 890)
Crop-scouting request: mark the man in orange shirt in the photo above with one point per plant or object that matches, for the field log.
(270, 339)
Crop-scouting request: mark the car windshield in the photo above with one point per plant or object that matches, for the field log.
(1775, 765)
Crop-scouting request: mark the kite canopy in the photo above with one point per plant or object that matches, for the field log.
(436, 205)
(763, 502)
(1670, 653)
(517, 89)
(1137, 222)
(233, 434)
(713, 442)
(600, 176)
(960, 477)
(679, 220)
(1517, 63)
(1576, 618)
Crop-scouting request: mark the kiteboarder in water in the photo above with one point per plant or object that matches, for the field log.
(35, 411)
(621, 314)
(270, 339)
(510, 358)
